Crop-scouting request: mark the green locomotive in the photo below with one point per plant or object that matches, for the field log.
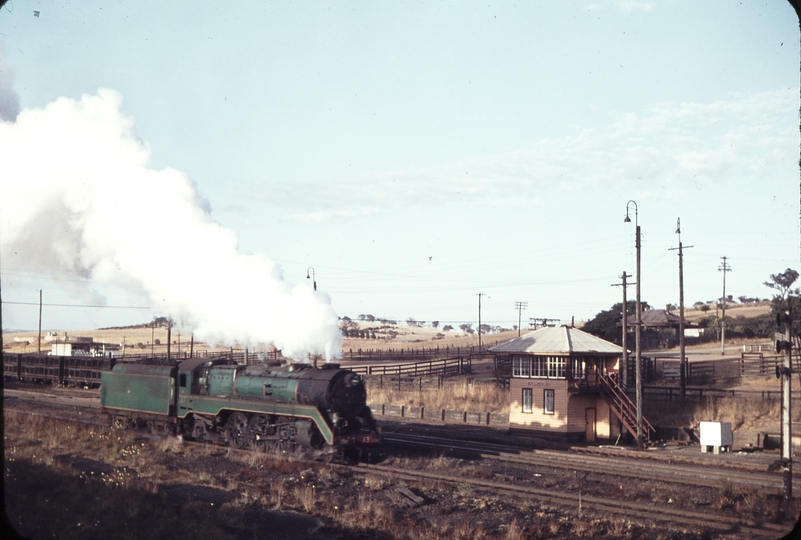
(262, 407)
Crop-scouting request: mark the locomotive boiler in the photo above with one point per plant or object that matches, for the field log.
(263, 407)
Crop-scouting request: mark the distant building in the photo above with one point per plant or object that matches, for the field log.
(564, 385)
(83, 346)
(661, 329)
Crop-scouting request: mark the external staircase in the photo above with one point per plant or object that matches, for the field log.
(622, 407)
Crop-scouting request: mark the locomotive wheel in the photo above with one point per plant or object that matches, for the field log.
(257, 425)
(236, 430)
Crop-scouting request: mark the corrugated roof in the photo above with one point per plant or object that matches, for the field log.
(659, 318)
(558, 340)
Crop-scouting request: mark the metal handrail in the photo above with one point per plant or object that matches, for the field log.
(626, 409)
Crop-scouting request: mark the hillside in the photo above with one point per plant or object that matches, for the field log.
(378, 336)
(138, 340)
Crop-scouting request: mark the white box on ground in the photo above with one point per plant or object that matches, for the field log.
(716, 434)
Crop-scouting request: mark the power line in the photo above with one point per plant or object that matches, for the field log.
(75, 305)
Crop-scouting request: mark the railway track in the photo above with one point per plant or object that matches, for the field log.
(676, 517)
(695, 475)
(62, 405)
(85, 408)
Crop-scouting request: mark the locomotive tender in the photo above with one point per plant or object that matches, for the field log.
(262, 407)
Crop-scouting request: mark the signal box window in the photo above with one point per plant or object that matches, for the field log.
(527, 400)
(548, 405)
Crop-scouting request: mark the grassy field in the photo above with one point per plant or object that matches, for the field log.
(746, 310)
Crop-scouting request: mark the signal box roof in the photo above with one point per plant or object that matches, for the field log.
(558, 340)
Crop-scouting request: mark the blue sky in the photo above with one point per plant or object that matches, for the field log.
(417, 153)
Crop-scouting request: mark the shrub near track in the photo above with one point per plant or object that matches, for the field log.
(66, 480)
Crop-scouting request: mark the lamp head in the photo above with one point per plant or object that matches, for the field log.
(628, 219)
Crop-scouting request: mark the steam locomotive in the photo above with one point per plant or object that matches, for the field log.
(289, 407)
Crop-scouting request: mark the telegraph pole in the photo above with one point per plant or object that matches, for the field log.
(724, 267)
(520, 306)
(624, 361)
(682, 356)
(479, 320)
(39, 339)
(169, 337)
(784, 343)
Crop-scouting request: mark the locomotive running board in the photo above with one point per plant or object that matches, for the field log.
(213, 405)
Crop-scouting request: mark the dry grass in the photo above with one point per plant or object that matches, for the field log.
(48, 496)
(460, 396)
(744, 414)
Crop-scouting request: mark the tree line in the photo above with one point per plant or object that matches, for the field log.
(787, 298)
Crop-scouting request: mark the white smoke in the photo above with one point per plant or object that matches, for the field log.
(9, 101)
(77, 196)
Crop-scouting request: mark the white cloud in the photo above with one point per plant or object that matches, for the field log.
(745, 137)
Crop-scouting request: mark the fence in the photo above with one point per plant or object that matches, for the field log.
(673, 392)
(444, 366)
(728, 370)
(448, 416)
(417, 353)
(646, 369)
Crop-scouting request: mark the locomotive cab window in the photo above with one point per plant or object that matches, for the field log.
(182, 380)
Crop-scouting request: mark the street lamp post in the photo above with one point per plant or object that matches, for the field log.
(312, 276)
(638, 327)
(683, 357)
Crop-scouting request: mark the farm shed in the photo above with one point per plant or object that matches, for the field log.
(564, 385)
(661, 329)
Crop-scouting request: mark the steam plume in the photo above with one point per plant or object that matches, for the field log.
(9, 102)
(77, 196)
